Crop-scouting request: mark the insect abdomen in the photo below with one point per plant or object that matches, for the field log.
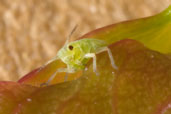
(95, 45)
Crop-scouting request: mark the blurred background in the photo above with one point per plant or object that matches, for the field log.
(32, 31)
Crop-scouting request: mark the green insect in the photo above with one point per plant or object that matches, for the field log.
(76, 54)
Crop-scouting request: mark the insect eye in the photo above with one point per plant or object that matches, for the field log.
(70, 47)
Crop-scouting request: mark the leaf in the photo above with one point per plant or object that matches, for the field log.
(153, 32)
(141, 85)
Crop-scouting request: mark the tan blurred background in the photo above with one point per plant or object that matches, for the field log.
(31, 31)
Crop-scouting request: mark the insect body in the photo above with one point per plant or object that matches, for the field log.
(77, 53)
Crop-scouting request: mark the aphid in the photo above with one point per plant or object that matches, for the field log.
(76, 54)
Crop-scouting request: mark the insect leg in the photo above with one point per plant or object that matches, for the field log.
(49, 80)
(66, 77)
(54, 74)
(92, 55)
(110, 56)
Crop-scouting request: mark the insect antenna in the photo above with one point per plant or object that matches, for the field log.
(68, 38)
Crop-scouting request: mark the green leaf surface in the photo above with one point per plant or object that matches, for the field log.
(141, 85)
(154, 32)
